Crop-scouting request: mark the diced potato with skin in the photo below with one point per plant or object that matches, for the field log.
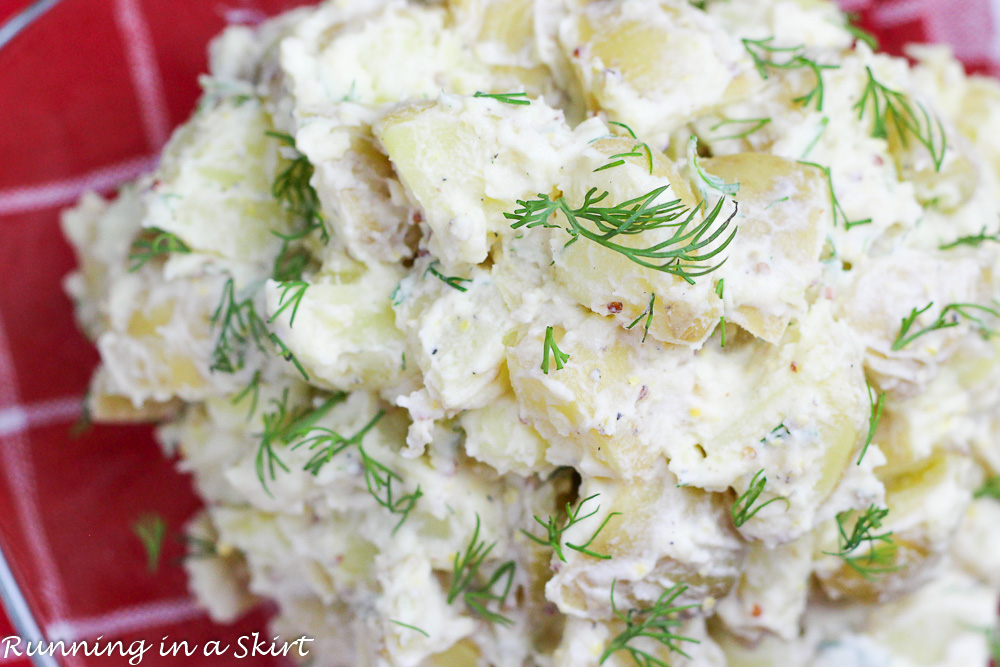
(159, 340)
(784, 210)
(440, 159)
(925, 506)
(354, 181)
(220, 581)
(812, 385)
(880, 294)
(344, 332)
(610, 283)
(455, 335)
(495, 435)
(583, 409)
(225, 164)
(663, 535)
(771, 593)
(639, 61)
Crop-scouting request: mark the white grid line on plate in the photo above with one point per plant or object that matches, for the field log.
(17, 468)
(127, 621)
(21, 617)
(144, 70)
(17, 418)
(60, 193)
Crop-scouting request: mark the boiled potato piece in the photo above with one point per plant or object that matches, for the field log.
(220, 167)
(664, 535)
(784, 209)
(651, 65)
(608, 282)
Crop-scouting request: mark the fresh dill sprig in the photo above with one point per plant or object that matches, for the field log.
(634, 152)
(150, 529)
(154, 242)
(240, 325)
(989, 489)
(657, 623)
(550, 347)
(253, 390)
(679, 255)
(875, 415)
(554, 530)
(707, 181)
(326, 443)
(411, 627)
(755, 124)
(881, 548)
(648, 314)
(766, 57)
(958, 310)
(858, 33)
(836, 208)
(974, 241)
(451, 281)
(293, 189)
(777, 432)
(288, 355)
(465, 574)
(297, 288)
(379, 479)
(719, 288)
(892, 110)
(282, 426)
(743, 509)
(506, 98)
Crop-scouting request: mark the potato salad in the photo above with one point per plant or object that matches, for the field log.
(573, 333)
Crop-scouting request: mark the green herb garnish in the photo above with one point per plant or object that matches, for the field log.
(550, 347)
(989, 489)
(678, 255)
(154, 242)
(450, 281)
(836, 208)
(754, 124)
(465, 574)
(743, 509)
(657, 623)
(648, 314)
(874, 417)
(554, 530)
(767, 57)
(881, 549)
(506, 98)
(958, 310)
(150, 529)
(893, 110)
(974, 241)
(297, 289)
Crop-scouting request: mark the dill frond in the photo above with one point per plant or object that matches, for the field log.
(958, 312)
(150, 529)
(657, 623)
(743, 509)
(682, 254)
(466, 572)
(151, 243)
(554, 530)
(893, 111)
(768, 57)
(550, 348)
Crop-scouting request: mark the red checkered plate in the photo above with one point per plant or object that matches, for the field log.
(89, 92)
